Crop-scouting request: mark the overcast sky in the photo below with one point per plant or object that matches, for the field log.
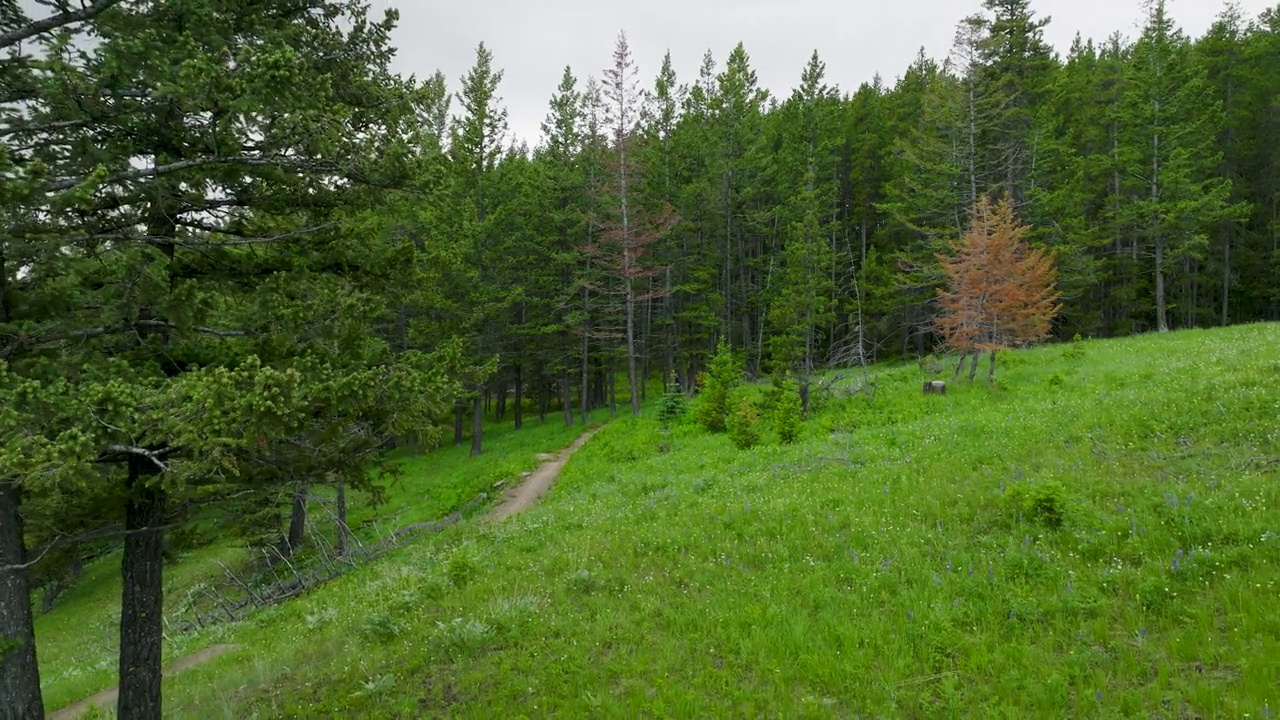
(532, 40)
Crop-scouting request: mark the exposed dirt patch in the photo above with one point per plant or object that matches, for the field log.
(106, 699)
(538, 482)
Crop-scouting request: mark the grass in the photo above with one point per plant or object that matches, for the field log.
(78, 641)
(1094, 536)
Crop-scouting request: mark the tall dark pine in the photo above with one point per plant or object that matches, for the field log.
(476, 148)
(1017, 69)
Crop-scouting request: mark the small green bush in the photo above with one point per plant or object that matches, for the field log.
(1043, 502)
(1075, 349)
(723, 377)
(383, 627)
(783, 405)
(672, 408)
(744, 424)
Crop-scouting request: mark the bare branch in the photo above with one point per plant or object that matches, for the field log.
(53, 22)
(112, 452)
(158, 170)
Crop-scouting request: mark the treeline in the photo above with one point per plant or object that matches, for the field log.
(239, 257)
(804, 230)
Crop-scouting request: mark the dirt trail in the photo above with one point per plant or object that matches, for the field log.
(538, 482)
(106, 700)
(514, 499)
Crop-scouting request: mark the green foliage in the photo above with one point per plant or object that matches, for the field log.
(1043, 502)
(787, 418)
(672, 408)
(784, 409)
(723, 377)
(743, 422)
(893, 516)
(382, 626)
(1075, 350)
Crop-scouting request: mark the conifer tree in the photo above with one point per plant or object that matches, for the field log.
(475, 150)
(1001, 291)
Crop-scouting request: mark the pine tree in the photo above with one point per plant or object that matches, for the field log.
(628, 230)
(475, 149)
(1016, 71)
(1000, 291)
(223, 273)
(1169, 125)
(565, 187)
(802, 291)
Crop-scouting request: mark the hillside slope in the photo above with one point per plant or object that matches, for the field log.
(1094, 536)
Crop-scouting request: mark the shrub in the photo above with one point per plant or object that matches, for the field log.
(744, 424)
(1042, 502)
(673, 407)
(723, 377)
(383, 627)
(783, 403)
(1074, 350)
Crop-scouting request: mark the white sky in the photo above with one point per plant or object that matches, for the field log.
(532, 40)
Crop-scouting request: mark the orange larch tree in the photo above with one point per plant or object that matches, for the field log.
(1001, 291)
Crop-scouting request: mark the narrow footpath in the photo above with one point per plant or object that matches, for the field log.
(538, 482)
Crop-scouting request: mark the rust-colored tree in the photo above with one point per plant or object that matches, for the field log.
(628, 226)
(1001, 292)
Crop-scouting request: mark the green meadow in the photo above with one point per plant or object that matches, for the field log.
(1096, 535)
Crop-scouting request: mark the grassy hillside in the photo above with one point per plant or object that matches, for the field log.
(1095, 536)
(78, 641)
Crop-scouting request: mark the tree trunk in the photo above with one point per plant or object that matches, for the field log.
(344, 532)
(960, 366)
(1226, 280)
(1162, 311)
(632, 379)
(671, 334)
(297, 520)
(585, 391)
(142, 600)
(500, 404)
(477, 423)
(567, 391)
(973, 365)
(612, 382)
(1162, 314)
(459, 417)
(518, 399)
(19, 673)
(991, 369)
(543, 400)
